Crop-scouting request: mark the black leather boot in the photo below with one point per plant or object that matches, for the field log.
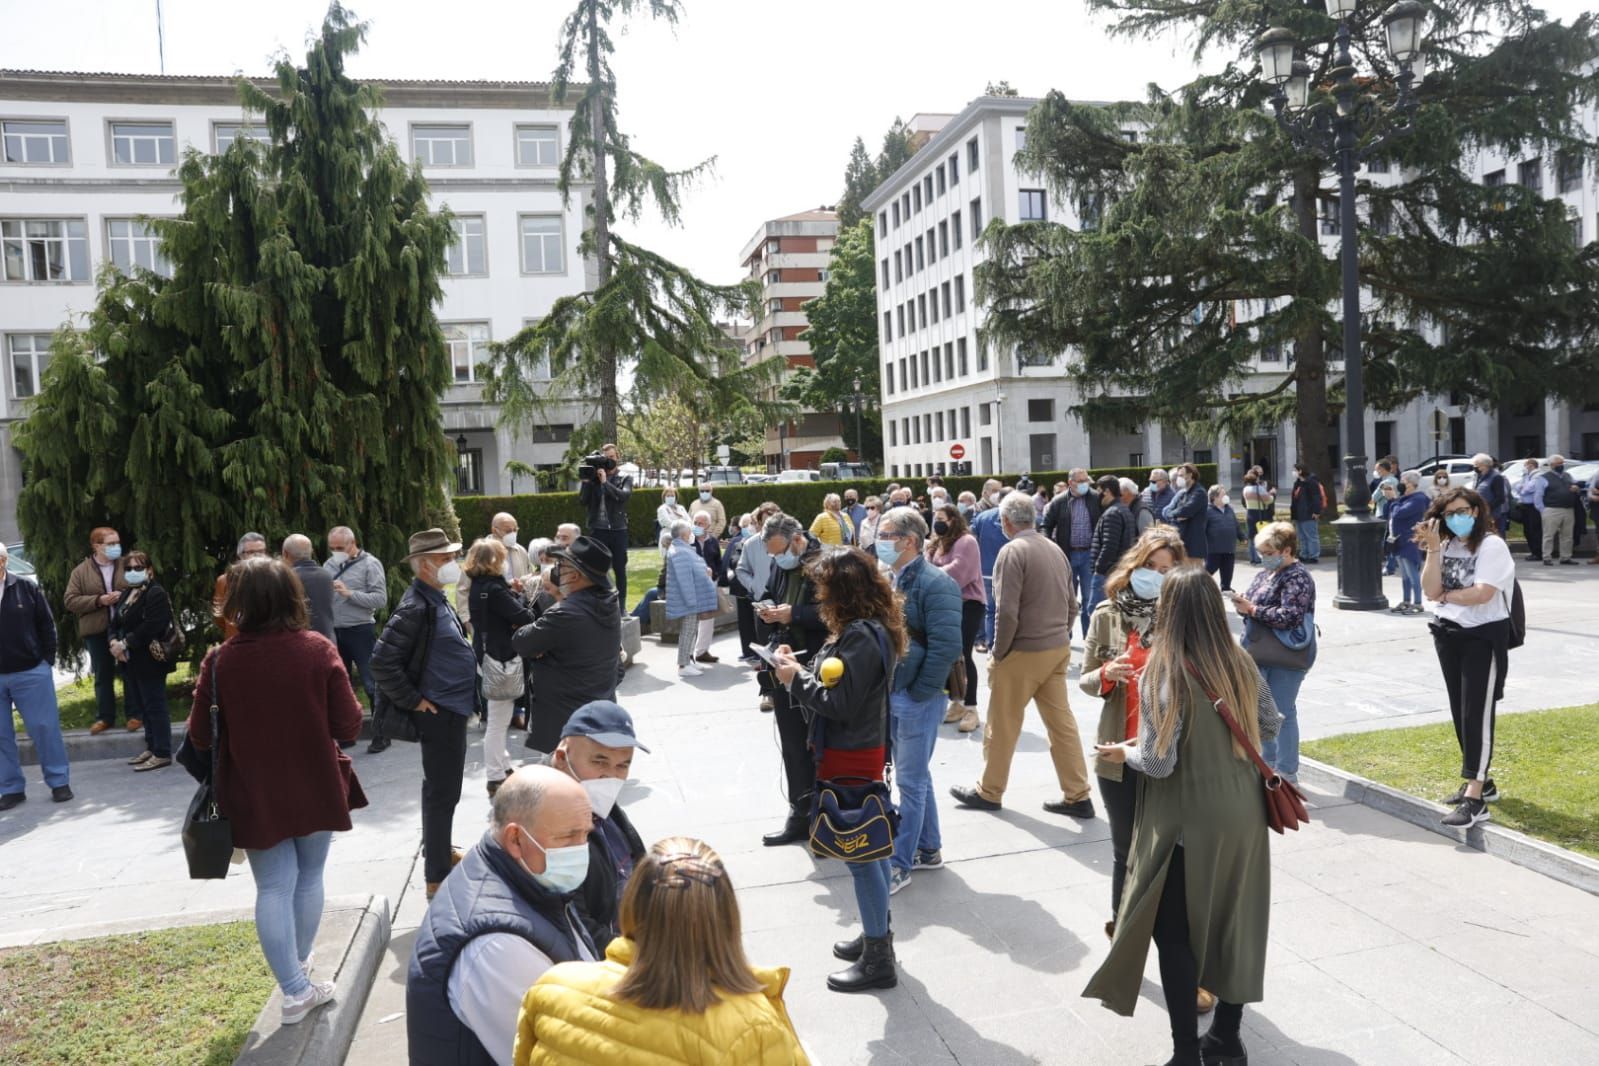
(874, 969)
(1222, 1046)
(850, 950)
(795, 829)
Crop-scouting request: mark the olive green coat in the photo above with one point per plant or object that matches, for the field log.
(1213, 805)
(1108, 627)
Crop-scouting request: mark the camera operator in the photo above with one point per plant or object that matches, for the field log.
(604, 493)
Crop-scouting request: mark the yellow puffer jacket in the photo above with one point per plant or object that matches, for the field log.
(569, 1019)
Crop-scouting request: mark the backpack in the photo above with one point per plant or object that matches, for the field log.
(1518, 617)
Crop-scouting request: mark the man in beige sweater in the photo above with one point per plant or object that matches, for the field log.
(1034, 606)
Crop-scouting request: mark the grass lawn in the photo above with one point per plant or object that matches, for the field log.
(147, 999)
(643, 570)
(1546, 764)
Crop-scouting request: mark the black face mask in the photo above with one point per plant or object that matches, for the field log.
(941, 528)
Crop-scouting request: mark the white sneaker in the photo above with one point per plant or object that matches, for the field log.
(305, 963)
(297, 1007)
(690, 671)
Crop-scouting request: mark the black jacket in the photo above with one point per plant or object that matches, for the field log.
(1492, 488)
(805, 631)
(1306, 501)
(1115, 533)
(710, 550)
(1058, 517)
(143, 614)
(854, 711)
(27, 628)
(318, 585)
(607, 503)
(495, 614)
(574, 649)
(402, 649)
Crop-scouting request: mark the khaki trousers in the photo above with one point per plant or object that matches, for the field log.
(1559, 525)
(1014, 681)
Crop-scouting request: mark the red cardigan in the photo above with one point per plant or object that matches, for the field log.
(286, 700)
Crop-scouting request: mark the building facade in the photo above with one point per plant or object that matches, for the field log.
(945, 394)
(83, 157)
(789, 257)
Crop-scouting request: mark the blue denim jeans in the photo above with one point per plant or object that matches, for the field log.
(988, 616)
(871, 895)
(33, 693)
(1410, 580)
(1282, 754)
(915, 725)
(288, 904)
(1096, 594)
(355, 648)
(1082, 564)
(1309, 539)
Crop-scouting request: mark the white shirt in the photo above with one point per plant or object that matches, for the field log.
(1491, 565)
(486, 987)
(667, 513)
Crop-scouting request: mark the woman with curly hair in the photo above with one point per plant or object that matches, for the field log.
(843, 694)
(953, 550)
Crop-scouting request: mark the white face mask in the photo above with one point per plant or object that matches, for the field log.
(450, 573)
(1181, 483)
(602, 791)
(510, 539)
(995, 498)
(339, 558)
(1223, 501)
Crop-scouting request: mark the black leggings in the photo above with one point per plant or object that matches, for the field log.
(1121, 805)
(1179, 971)
(972, 612)
(1473, 660)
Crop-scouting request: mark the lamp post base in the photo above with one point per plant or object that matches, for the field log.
(1360, 540)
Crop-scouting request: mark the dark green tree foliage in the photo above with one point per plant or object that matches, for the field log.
(285, 378)
(860, 178)
(1213, 206)
(843, 339)
(641, 299)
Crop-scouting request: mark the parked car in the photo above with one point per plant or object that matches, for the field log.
(1461, 472)
(798, 475)
(722, 475)
(759, 479)
(18, 562)
(845, 471)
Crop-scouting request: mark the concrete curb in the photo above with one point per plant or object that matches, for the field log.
(118, 743)
(1568, 867)
(325, 1036)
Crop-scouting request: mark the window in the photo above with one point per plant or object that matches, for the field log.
(971, 156)
(949, 368)
(133, 244)
(909, 267)
(1376, 166)
(35, 142)
(1021, 138)
(954, 167)
(927, 187)
(1041, 410)
(823, 274)
(442, 146)
(927, 427)
(933, 300)
(1031, 208)
(982, 358)
(893, 432)
(960, 293)
(899, 271)
(915, 378)
(916, 429)
(976, 207)
(938, 177)
(885, 273)
(467, 254)
(926, 368)
(1329, 216)
(1090, 211)
(901, 310)
(943, 238)
(27, 355)
(223, 134)
(932, 246)
(469, 472)
(888, 332)
(1568, 171)
(902, 375)
(1130, 136)
(775, 304)
(985, 414)
(966, 421)
(921, 259)
(938, 365)
(905, 206)
(939, 423)
(773, 277)
(468, 345)
(921, 311)
(916, 196)
(896, 214)
(44, 249)
(1493, 179)
(948, 303)
(882, 223)
(536, 146)
(1529, 175)
(955, 229)
(541, 245)
(1575, 225)
(888, 378)
(143, 144)
(960, 355)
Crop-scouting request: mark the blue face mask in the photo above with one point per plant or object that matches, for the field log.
(705, 497)
(1271, 562)
(1147, 583)
(113, 551)
(786, 561)
(887, 550)
(966, 508)
(700, 532)
(1081, 488)
(134, 577)
(565, 869)
(1461, 525)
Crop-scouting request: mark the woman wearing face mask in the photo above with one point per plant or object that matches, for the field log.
(1222, 534)
(690, 597)
(1120, 634)
(832, 525)
(867, 534)
(1440, 483)
(669, 511)
(750, 569)
(1186, 510)
(1282, 598)
(1470, 577)
(143, 614)
(953, 550)
(674, 989)
(1260, 504)
(495, 615)
(847, 713)
(1403, 514)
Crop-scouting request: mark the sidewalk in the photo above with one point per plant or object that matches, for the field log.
(1389, 944)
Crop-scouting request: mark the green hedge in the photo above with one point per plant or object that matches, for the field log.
(539, 514)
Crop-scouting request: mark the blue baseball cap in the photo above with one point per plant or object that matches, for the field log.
(605, 723)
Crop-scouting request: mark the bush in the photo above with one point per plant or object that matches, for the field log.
(538, 515)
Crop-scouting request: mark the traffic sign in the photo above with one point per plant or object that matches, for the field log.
(957, 451)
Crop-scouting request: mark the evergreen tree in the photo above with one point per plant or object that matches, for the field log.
(642, 300)
(896, 152)
(1200, 251)
(860, 178)
(286, 376)
(999, 88)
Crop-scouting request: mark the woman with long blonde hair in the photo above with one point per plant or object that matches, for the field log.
(675, 987)
(1199, 875)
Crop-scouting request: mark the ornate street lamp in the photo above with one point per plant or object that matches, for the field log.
(1335, 135)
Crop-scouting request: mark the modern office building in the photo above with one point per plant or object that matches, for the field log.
(83, 157)
(1007, 410)
(788, 257)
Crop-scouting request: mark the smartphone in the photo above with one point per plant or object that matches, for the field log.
(763, 605)
(762, 652)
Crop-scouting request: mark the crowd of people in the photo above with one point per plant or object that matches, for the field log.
(863, 628)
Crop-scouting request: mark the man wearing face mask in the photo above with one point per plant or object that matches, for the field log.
(990, 534)
(1114, 534)
(360, 588)
(94, 587)
(708, 504)
(424, 663)
(791, 618)
(991, 495)
(1070, 521)
(596, 749)
(1555, 497)
(518, 565)
(508, 913)
(856, 511)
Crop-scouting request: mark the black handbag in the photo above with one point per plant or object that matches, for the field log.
(391, 720)
(207, 833)
(853, 818)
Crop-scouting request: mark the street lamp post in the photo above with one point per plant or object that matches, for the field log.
(860, 442)
(1334, 134)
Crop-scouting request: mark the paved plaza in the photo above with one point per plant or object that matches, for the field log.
(1389, 944)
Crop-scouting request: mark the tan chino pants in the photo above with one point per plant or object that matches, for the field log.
(1014, 681)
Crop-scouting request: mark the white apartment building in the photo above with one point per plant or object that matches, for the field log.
(789, 257)
(1011, 411)
(84, 156)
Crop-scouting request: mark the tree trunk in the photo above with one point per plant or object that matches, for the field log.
(1310, 353)
(602, 222)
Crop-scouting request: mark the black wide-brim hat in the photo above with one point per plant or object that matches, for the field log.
(592, 559)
